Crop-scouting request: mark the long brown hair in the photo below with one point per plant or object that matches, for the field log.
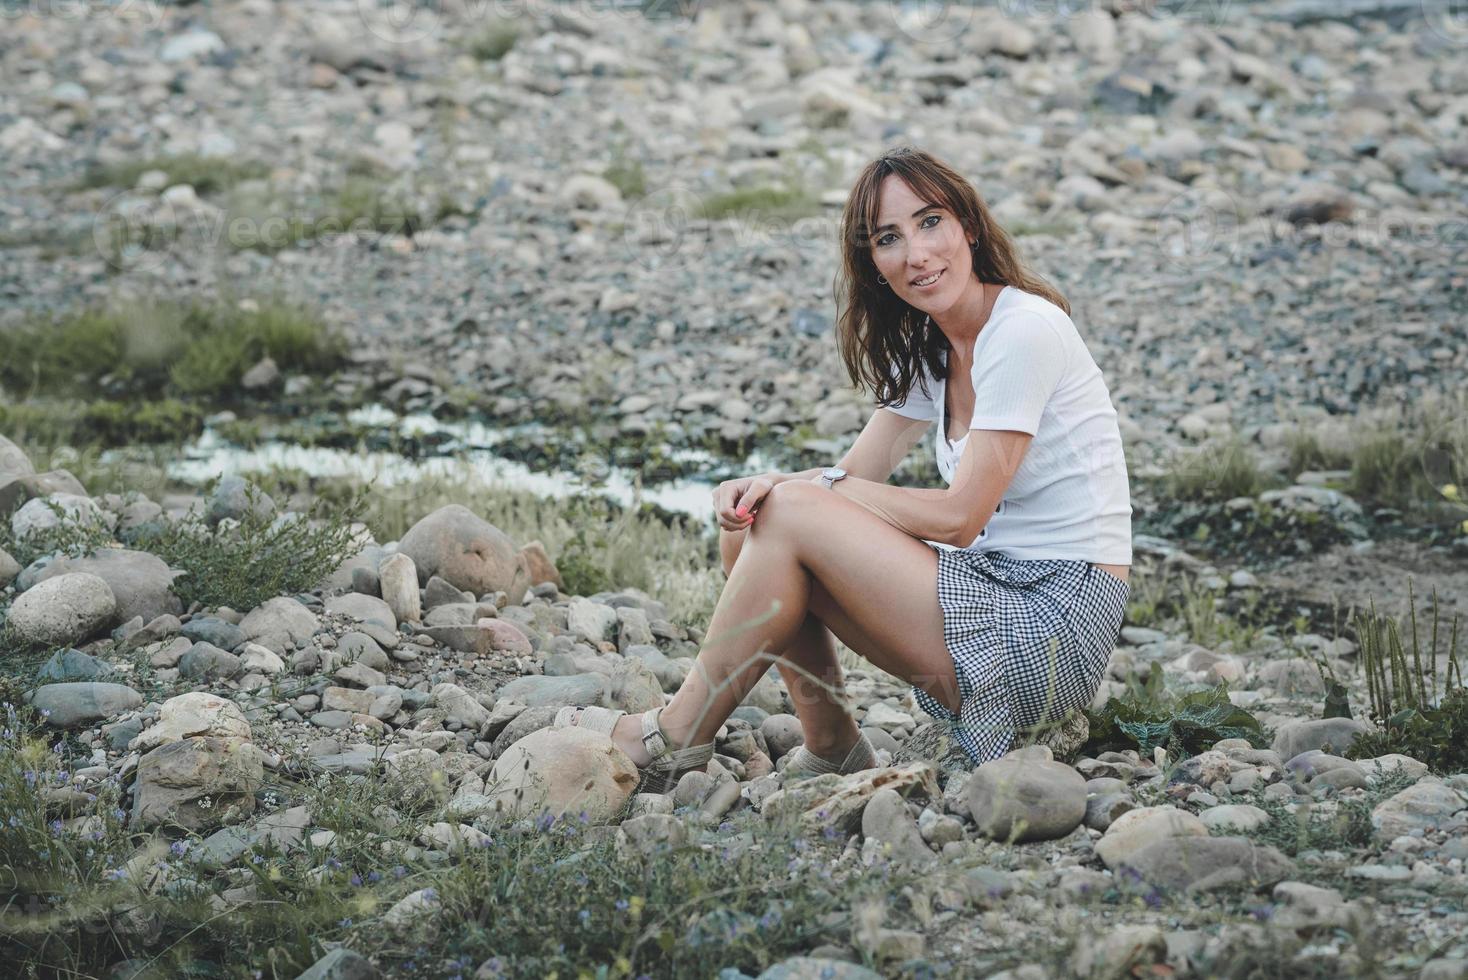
(881, 336)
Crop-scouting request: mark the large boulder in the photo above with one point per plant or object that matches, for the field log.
(562, 771)
(141, 582)
(76, 704)
(1140, 828)
(280, 624)
(1426, 806)
(1333, 735)
(65, 610)
(192, 715)
(1025, 799)
(14, 463)
(1199, 864)
(197, 784)
(54, 511)
(466, 551)
(22, 488)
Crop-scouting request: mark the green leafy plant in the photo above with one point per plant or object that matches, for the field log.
(243, 564)
(1413, 715)
(1148, 716)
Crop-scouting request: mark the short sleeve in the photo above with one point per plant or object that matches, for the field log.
(917, 405)
(1016, 370)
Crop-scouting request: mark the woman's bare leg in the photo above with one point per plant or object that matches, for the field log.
(810, 669)
(883, 581)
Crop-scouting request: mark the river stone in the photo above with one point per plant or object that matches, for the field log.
(14, 463)
(459, 706)
(281, 624)
(398, 580)
(1198, 864)
(17, 491)
(73, 665)
(37, 515)
(234, 498)
(1132, 831)
(64, 611)
(818, 968)
(591, 621)
(466, 551)
(211, 629)
(1021, 800)
(362, 608)
(206, 662)
(563, 771)
(1333, 735)
(1238, 816)
(537, 691)
(191, 715)
(197, 783)
(1120, 951)
(885, 819)
(649, 834)
(1425, 806)
(1102, 809)
(538, 565)
(439, 593)
(140, 582)
(9, 568)
(77, 704)
(633, 687)
(254, 657)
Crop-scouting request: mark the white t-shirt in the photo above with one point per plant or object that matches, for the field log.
(1033, 373)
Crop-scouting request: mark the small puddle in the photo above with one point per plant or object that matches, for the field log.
(465, 449)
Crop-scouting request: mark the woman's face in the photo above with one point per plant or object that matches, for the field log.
(915, 240)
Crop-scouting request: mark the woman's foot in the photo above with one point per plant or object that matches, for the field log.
(627, 736)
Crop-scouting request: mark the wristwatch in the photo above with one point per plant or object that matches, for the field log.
(830, 475)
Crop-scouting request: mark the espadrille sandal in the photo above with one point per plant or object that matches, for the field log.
(805, 763)
(668, 764)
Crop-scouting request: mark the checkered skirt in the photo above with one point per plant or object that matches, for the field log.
(1030, 639)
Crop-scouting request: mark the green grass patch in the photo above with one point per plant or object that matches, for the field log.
(494, 42)
(779, 204)
(260, 221)
(1216, 472)
(206, 174)
(102, 423)
(159, 348)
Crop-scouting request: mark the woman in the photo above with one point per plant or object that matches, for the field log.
(999, 597)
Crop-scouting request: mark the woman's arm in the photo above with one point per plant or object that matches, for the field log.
(956, 514)
(882, 444)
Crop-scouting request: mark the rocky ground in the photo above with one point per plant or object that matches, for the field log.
(618, 223)
(431, 667)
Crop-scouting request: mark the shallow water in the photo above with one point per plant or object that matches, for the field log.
(468, 449)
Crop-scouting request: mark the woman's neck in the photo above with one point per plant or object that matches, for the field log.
(962, 322)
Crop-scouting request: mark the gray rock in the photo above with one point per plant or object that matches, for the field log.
(9, 568)
(398, 579)
(284, 829)
(80, 703)
(197, 783)
(73, 665)
(1023, 800)
(211, 629)
(363, 608)
(141, 583)
(234, 498)
(1204, 863)
(14, 463)
(818, 968)
(1327, 734)
(1425, 806)
(1238, 816)
(16, 492)
(885, 819)
(341, 964)
(440, 593)
(40, 514)
(280, 624)
(1102, 809)
(539, 691)
(64, 611)
(206, 662)
(649, 834)
(1122, 951)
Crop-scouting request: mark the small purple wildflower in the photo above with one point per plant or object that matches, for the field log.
(179, 848)
(356, 881)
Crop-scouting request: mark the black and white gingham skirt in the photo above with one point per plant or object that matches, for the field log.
(1030, 639)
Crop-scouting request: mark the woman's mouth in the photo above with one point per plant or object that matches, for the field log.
(930, 281)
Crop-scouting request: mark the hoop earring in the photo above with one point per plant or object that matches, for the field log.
(880, 279)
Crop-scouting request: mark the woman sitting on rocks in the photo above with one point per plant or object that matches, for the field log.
(999, 597)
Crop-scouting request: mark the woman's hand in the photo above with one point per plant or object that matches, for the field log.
(735, 501)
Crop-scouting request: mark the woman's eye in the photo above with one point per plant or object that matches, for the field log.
(883, 239)
(935, 217)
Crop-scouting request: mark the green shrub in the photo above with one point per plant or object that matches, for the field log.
(260, 558)
(1344, 825)
(493, 43)
(150, 348)
(776, 204)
